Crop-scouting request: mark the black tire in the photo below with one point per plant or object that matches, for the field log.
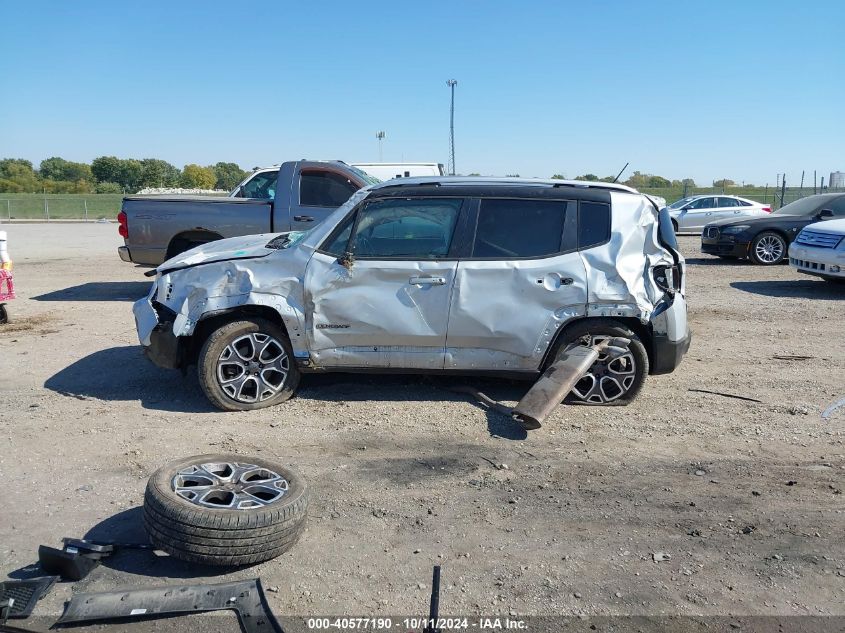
(222, 536)
(757, 244)
(212, 352)
(606, 328)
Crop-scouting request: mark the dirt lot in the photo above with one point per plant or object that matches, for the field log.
(744, 497)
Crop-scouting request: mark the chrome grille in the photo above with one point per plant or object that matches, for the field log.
(818, 239)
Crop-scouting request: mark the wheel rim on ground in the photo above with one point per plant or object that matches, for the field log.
(229, 485)
(769, 249)
(608, 379)
(252, 368)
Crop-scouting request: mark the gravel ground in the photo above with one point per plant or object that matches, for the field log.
(682, 503)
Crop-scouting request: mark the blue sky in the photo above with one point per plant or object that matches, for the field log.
(701, 89)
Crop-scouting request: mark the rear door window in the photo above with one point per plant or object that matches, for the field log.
(319, 188)
(509, 229)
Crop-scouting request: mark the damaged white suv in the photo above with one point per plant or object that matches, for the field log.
(429, 275)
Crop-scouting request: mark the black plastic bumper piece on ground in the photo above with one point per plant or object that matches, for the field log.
(246, 598)
(666, 355)
(164, 349)
(70, 565)
(24, 593)
(728, 249)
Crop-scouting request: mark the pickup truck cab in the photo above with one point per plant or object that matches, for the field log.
(293, 196)
(429, 275)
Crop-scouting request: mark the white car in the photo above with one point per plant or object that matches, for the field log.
(819, 250)
(689, 215)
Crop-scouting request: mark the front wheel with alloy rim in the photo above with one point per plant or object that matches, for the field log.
(767, 249)
(247, 365)
(609, 382)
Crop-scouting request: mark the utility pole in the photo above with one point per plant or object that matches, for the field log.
(452, 83)
(380, 137)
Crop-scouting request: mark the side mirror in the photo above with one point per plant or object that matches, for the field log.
(825, 213)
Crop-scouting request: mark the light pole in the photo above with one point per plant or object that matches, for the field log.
(452, 83)
(380, 137)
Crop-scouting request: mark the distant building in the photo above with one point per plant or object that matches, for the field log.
(837, 180)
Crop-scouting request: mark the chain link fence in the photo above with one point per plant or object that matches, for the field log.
(774, 196)
(90, 207)
(94, 207)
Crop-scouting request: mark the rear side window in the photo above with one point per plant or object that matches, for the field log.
(324, 189)
(519, 228)
(593, 224)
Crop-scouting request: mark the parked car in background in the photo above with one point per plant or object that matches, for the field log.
(293, 196)
(689, 215)
(388, 171)
(819, 249)
(765, 240)
(423, 274)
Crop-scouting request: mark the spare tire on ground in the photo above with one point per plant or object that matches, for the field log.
(225, 509)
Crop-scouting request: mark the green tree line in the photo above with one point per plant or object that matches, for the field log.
(109, 174)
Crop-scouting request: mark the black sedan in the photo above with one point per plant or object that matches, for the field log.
(765, 240)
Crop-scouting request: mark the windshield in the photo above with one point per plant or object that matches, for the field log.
(679, 203)
(367, 178)
(804, 206)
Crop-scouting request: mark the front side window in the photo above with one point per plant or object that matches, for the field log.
(519, 228)
(319, 188)
(837, 206)
(701, 203)
(262, 186)
(408, 228)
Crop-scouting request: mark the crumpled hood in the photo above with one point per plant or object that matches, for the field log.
(246, 247)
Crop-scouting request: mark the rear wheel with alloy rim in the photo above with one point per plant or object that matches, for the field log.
(614, 382)
(767, 249)
(247, 365)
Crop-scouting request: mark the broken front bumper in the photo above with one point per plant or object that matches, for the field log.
(160, 345)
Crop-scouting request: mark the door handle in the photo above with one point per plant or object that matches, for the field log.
(567, 281)
(303, 218)
(427, 281)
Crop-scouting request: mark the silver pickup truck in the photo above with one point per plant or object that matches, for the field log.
(295, 196)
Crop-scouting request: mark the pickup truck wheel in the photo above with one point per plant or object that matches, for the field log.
(247, 364)
(609, 382)
(225, 509)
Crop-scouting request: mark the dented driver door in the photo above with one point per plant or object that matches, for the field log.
(378, 290)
